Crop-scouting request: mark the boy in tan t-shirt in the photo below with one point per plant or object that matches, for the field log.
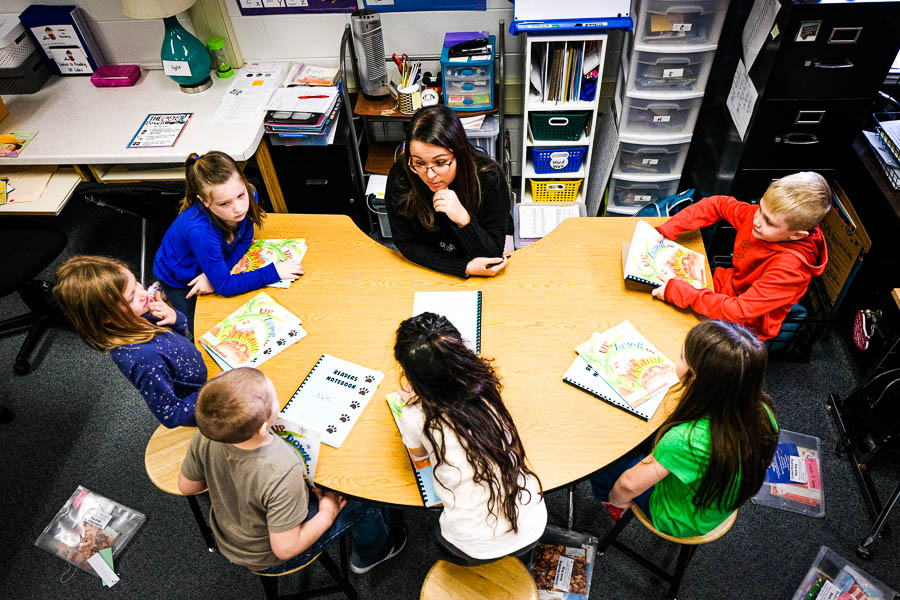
(262, 514)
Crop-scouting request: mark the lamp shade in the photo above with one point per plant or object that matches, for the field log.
(154, 9)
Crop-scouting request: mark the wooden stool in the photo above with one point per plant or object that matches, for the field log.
(165, 452)
(688, 546)
(339, 575)
(505, 579)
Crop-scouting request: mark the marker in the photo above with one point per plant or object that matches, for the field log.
(308, 97)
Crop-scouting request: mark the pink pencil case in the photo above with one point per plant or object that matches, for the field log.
(116, 75)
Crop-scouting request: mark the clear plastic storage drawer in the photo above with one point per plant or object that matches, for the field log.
(660, 116)
(645, 158)
(680, 22)
(669, 71)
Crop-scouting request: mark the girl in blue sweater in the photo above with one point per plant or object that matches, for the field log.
(145, 337)
(210, 235)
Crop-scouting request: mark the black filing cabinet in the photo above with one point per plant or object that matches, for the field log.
(816, 80)
(320, 179)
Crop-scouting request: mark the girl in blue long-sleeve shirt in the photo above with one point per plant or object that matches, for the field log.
(211, 234)
(144, 336)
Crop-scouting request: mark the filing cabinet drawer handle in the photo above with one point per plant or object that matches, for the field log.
(798, 139)
(820, 64)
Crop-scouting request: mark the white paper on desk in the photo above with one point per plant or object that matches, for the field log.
(289, 99)
(756, 29)
(160, 130)
(741, 99)
(28, 182)
(537, 221)
(255, 80)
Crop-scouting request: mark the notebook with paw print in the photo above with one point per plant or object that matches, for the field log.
(332, 397)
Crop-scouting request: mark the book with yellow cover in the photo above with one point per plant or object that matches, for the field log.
(652, 259)
(265, 252)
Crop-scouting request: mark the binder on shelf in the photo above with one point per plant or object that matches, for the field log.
(65, 38)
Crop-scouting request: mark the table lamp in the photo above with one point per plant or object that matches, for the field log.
(185, 59)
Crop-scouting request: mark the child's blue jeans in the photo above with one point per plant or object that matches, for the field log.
(603, 481)
(370, 530)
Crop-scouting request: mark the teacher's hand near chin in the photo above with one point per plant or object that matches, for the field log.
(486, 267)
(446, 201)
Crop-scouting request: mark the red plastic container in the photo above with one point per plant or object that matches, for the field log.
(116, 75)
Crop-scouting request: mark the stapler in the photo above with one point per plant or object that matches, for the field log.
(477, 46)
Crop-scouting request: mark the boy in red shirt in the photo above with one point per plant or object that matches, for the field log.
(779, 248)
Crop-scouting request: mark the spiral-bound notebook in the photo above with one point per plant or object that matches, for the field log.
(421, 467)
(463, 309)
(585, 377)
(332, 397)
(652, 259)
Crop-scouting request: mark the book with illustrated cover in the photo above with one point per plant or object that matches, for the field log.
(252, 334)
(304, 74)
(463, 309)
(265, 252)
(626, 370)
(421, 466)
(652, 259)
(332, 397)
(305, 440)
(12, 143)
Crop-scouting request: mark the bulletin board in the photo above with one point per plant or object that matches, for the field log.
(287, 7)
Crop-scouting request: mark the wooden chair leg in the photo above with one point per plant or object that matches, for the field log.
(614, 532)
(270, 586)
(684, 557)
(205, 531)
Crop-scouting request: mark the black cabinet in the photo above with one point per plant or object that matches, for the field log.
(816, 80)
(320, 179)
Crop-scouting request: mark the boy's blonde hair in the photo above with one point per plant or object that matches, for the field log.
(232, 406)
(803, 199)
(91, 291)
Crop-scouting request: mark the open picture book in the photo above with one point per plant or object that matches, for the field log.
(252, 334)
(265, 252)
(463, 309)
(305, 440)
(652, 259)
(421, 466)
(623, 368)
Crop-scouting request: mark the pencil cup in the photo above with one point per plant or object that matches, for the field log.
(411, 99)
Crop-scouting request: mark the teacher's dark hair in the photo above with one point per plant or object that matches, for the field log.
(440, 126)
(459, 391)
(724, 384)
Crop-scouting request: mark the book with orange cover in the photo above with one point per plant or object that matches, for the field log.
(652, 259)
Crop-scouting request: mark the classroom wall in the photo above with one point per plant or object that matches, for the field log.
(123, 40)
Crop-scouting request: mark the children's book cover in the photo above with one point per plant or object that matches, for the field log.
(332, 397)
(252, 334)
(629, 363)
(265, 252)
(305, 440)
(12, 143)
(653, 259)
(421, 466)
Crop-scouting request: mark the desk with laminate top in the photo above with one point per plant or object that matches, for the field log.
(90, 127)
(551, 297)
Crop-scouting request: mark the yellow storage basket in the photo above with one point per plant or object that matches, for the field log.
(553, 190)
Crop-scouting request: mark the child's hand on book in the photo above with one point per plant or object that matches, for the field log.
(660, 292)
(446, 201)
(329, 502)
(165, 313)
(289, 270)
(200, 285)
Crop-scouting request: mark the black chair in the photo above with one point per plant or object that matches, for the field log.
(27, 249)
(341, 585)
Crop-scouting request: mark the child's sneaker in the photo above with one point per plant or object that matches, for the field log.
(398, 537)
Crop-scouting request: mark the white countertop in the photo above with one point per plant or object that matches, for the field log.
(78, 123)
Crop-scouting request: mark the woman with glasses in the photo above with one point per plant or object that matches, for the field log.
(447, 203)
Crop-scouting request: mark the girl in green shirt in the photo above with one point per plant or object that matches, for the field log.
(711, 454)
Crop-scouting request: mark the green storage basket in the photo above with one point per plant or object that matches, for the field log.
(558, 126)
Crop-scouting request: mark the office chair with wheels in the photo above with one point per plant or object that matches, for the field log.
(28, 248)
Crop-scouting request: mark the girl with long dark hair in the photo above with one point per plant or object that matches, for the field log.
(447, 203)
(711, 454)
(493, 501)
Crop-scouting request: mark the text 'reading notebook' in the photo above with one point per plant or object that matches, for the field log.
(421, 466)
(265, 252)
(463, 309)
(332, 397)
(621, 367)
(652, 259)
(252, 334)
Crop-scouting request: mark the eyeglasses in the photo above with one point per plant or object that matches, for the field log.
(438, 167)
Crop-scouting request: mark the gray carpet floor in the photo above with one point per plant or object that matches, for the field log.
(79, 422)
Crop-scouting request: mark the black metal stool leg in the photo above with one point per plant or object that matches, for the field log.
(863, 547)
(270, 587)
(614, 532)
(203, 525)
(684, 557)
(339, 578)
(6, 415)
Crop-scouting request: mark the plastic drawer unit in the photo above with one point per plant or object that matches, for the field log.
(651, 156)
(628, 193)
(660, 72)
(646, 114)
(469, 80)
(680, 22)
